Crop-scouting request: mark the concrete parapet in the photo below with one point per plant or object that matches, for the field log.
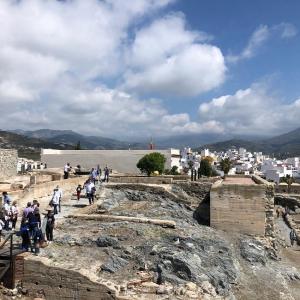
(119, 160)
(244, 205)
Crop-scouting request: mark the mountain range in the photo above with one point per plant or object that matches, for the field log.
(284, 145)
(72, 138)
(280, 146)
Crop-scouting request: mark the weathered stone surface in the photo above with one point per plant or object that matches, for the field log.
(253, 251)
(107, 241)
(60, 283)
(8, 162)
(114, 264)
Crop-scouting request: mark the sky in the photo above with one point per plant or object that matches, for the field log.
(140, 68)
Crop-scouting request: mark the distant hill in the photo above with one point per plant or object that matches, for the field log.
(27, 146)
(283, 145)
(86, 142)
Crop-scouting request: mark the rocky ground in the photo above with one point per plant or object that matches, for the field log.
(192, 261)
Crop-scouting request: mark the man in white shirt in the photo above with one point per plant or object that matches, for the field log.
(90, 190)
(67, 169)
(56, 200)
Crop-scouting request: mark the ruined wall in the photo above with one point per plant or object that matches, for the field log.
(242, 208)
(283, 188)
(123, 161)
(58, 283)
(8, 162)
(142, 179)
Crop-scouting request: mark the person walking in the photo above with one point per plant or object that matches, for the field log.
(99, 172)
(106, 174)
(67, 169)
(55, 201)
(89, 186)
(7, 211)
(14, 214)
(78, 191)
(25, 234)
(35, 228)
(50, 223)
(293, 236)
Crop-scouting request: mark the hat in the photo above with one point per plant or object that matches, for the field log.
(48, 208)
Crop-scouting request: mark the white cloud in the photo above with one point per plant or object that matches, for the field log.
(166, 58)
(58, 59)
(286, 30)
(259, 38)
(11, 92)
(251, 111)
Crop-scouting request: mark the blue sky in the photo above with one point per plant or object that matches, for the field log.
(132, 69)
(231, 23)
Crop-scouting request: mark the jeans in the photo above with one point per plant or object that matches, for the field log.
(55, 209)
(90, 197)
(49, 233)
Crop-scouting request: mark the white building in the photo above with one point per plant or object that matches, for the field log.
(205, 152)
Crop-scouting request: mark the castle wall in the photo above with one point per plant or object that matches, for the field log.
(242, 208)
(123, 161)
(8, 162)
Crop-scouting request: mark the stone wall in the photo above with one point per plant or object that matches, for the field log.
(123, 161)
(142, 179)
(8, 162)
(282, 188)
(243, 208)
(59, 283)
(198, 191)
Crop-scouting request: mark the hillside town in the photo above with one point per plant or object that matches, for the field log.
(244, 162)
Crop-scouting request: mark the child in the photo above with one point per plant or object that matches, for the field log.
(78, 191)
(14, 214)
(50, 224)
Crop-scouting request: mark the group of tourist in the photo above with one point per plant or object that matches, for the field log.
(95, 173)
(9, 213)
(34, 230)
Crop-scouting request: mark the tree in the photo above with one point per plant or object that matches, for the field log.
(173, 171)
(209, 158)
(289, 180)
(152, 162)
(78, 146)
(205, 168)
(225, 165)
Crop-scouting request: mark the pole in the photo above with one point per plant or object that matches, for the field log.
(11, 248)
